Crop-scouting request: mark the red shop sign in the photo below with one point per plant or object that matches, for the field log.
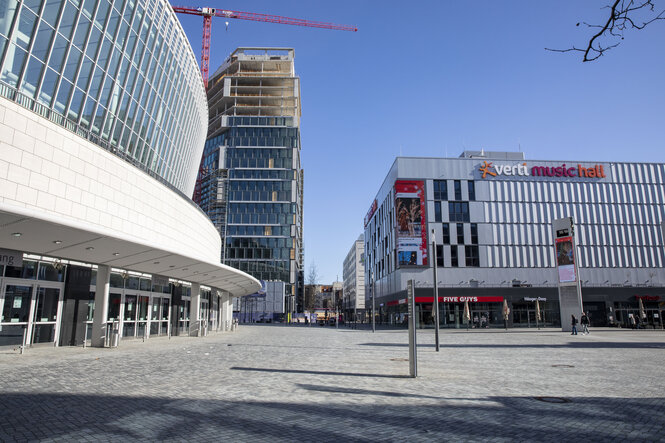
(458, 299)
(648, 297)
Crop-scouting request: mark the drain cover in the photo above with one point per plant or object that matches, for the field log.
(553, 399)
(563, 366)
(399, 359)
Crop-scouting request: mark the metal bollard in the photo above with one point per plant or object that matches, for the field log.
(22, 347)
(85, 334)
(115, 337)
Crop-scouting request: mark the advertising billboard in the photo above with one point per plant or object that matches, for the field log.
(565, 259)
(410, 219)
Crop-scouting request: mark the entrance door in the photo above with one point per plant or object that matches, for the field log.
(129, 317)
(142, 316)
(164, 328)
(156, 317)
(15, 314)
(47, 301)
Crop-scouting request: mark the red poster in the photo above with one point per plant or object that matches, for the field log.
(411, 223)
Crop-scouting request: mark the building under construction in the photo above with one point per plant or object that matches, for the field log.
(250, 182)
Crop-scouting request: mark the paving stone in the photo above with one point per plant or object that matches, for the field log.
(280, 384)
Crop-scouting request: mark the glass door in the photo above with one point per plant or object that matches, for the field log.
(45, 315)
(156, 317)
(164, 329)
(142, 316)
(129, 317)
(15, 314)
(183, 317)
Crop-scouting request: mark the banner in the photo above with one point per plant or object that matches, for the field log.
(411, 228)
(565, 259)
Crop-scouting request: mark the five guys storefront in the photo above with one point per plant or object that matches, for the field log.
(606, 306)
(485, 308)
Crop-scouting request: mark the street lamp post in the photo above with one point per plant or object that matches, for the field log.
(435, 306)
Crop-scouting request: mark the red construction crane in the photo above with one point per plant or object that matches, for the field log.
(209, 13)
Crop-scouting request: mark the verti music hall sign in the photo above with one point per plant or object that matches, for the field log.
(489, 169)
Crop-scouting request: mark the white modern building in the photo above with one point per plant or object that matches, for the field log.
(490, 216)
(354, 281)
(103, 119)
(268, 305)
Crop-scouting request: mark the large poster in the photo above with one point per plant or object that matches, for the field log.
(565, 259)
(411, 229)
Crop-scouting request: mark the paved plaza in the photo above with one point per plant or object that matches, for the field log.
(281, 383)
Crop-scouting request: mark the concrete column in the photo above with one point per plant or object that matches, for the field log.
(195, 311)
(101, 306)
(220, 311)
(223, 306)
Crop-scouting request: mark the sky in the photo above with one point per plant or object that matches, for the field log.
(433, 78)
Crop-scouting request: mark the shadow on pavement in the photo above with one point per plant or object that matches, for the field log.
(573, 345)
(303, 371)
(118, 418)
(343, 390)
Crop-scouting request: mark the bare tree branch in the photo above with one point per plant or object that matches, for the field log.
(622, 18)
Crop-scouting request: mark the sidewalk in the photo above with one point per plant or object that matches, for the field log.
(276, 383)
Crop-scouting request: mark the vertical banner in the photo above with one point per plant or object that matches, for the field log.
(410, 218)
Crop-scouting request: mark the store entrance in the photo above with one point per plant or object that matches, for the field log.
(30, 313)
(45, 316)
(15, 314)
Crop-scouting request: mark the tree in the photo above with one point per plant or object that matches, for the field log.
(312, 274)
(624, 15)
(310, 288)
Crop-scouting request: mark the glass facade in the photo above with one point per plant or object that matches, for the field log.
(251, 181)
(119, 73)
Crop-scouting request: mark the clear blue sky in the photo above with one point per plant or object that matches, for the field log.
(432, 78)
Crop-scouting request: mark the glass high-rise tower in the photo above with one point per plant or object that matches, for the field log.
(250, 182)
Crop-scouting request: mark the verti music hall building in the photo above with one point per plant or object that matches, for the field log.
(491, 214)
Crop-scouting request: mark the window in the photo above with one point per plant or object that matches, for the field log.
(474, 233)
(439, 256)
(453, 257)
(460, 234)
(437, 211)
(440, 190)
(458, 190)
(472, 190)
(446, 234)
(471, 253)
(458, 211)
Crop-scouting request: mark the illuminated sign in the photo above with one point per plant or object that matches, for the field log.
(521, 169)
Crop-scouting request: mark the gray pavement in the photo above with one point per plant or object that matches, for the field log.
(280, 383)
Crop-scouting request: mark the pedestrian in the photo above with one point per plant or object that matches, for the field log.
(584, 321)
(573, 322)
(632, 321)
(637, 321)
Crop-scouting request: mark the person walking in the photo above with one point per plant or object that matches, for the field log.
(573, 322)
(584, 321)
